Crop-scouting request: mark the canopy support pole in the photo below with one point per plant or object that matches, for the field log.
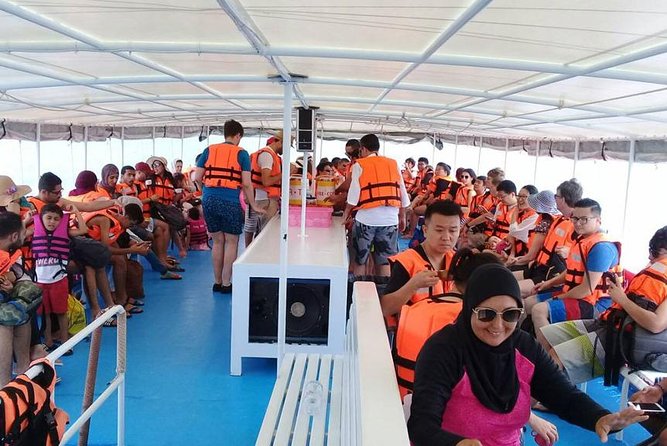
(38, 140)
(507, 149)
(284, 223)
(631, 161)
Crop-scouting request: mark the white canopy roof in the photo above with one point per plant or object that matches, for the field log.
(505, 68)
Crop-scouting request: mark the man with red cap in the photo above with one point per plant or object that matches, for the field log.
(266, 174)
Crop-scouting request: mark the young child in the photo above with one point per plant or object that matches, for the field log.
(197, 233)
(50, 247)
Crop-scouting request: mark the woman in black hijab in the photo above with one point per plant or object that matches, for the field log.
(474, 379)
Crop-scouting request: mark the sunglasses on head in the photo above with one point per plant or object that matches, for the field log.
(489, 314)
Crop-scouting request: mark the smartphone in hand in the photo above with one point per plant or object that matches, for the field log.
(647, 407)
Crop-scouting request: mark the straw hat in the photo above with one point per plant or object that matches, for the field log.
(10, 191)
(543, 202)
(161, 159)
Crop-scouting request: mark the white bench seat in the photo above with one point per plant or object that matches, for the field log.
(637, 379)
(361, 405)
(286, 421)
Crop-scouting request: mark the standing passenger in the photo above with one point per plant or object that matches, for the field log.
(224, 169)
(377, 190)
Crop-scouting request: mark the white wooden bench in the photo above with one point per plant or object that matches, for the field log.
(361, 402)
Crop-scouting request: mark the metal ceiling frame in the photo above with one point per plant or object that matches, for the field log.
(475, 8)
(259, 46)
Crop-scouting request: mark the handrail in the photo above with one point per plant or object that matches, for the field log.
(117, 383)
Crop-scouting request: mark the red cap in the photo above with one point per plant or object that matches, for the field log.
(143, 167)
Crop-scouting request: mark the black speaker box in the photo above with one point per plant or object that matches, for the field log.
(307, 310)
(305, 121)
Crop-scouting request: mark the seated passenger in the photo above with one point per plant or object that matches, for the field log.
(420, 320)
(474, 379)
(465, 192)
(523, 223)
(414, 272)
(483, 202)
(545, 205)
(590, 257)
(575, 341)
(197, 233)
(550, 259)
(107, 186)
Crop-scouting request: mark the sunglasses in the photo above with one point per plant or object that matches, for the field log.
(489, 314)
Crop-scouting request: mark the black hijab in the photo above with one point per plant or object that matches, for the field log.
(492, 370)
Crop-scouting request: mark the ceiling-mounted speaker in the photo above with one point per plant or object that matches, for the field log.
(305, 129)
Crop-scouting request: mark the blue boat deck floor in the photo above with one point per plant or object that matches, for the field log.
(179, 391)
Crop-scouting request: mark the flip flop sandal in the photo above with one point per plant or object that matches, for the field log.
(110, 323)
(176, 269)
(136, 303)
(170, 276)
(133, 310)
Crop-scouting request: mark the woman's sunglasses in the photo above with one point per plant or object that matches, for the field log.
(489, 314)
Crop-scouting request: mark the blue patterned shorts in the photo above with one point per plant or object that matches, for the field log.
(222, 215)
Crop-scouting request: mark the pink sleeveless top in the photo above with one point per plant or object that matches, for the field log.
(467, 417)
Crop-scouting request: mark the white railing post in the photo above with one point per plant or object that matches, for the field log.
(116, 384)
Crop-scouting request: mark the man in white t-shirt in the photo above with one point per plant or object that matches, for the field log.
(378, 193)
(266, 175)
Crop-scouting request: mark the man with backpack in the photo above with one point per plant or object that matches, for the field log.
(582, 347)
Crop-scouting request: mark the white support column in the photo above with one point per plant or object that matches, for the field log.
(479, 157)
(153, 135)
(537, 159)
(507, 149)
(85, 148)
(38, 138)
(456, 151)
(284, 224)
(576, 155)
(122, 146)
(631, 161)
(182, 141)
(433, 163)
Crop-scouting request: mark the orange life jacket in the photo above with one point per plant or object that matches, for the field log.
(413, 263)
(504, 216)
(122, 189)
(416, 324)
(256, 172)
(143, 193)
(650, 284)
(433, 185)
(560, 234)
(461, 198)
(482, 204)
(380, 183)
(7, 260)
(94, 231)
(576, 265)
(37, 203)
(408, 179)
(28, 413)
(520, 247)
(105, 193)
(222, 168)
(163, 188)
(88, 196)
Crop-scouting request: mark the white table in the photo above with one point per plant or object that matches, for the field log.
(322, 254)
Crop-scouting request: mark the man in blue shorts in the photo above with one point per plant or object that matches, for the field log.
(224, 169)
(582, 291)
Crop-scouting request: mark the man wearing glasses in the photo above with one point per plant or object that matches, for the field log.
(589, 258)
